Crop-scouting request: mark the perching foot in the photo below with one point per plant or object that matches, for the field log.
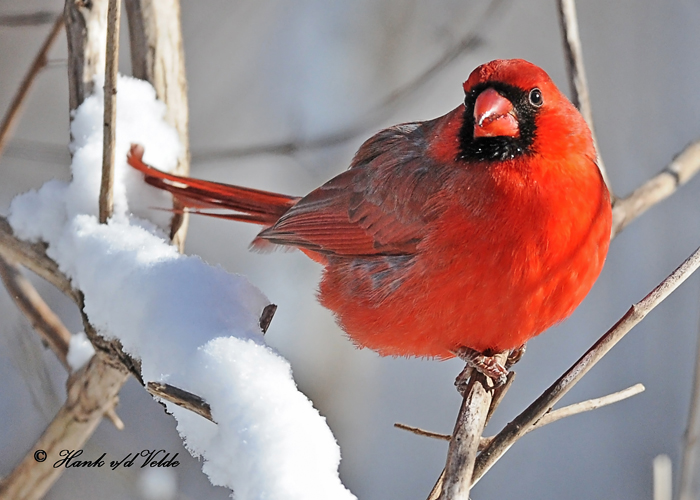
(487, 365)
(515, 355)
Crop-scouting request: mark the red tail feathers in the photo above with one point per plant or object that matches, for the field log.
(248, 205)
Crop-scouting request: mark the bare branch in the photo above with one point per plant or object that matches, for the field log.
(158, 56)
(520, 425)
(110, 111)
(180, 397)
(422, 432)
(92, 391)
(43, 319)
(584, 406)
(86, 47)
(466, 436)
(683, 167)
(577, 74)
(689, 480)
(34, 19)
(37, 65)
(550, 417)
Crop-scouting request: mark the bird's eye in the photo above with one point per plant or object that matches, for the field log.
(536, 97)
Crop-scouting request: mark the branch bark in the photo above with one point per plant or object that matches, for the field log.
(466, 436)
(92, 391)
(577, 74)
(109, 137)
(683, 167)
(86, 32)
(158, 56)
(38, 64)
(689, 483)
(43, 319)
(180, 397)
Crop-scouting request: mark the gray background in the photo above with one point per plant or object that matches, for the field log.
(260, 72)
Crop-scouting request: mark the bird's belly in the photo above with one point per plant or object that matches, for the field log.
(421, 306)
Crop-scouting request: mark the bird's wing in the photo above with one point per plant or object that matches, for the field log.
(380, 206)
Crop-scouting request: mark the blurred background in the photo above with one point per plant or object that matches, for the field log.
(265, 73)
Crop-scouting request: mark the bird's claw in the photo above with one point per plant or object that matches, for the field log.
(487, 365)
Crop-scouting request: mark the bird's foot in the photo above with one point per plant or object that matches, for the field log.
(515, 355)
(487, 365)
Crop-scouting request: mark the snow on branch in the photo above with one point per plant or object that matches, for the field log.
(192, 325)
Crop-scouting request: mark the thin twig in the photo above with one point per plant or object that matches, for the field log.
(520, 425)
(422, 432)
(22, 20)
(43, 319)
(110, 111)
(688, 483)
(182, 398)
(577, 74)
(470, 41)
(683, 167)
(37, 65)
(552, 416)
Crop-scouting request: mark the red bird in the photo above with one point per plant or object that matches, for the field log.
(465, 235)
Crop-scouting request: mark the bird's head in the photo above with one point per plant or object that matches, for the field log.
(510, 107)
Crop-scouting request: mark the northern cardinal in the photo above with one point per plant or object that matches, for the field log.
(464, 235)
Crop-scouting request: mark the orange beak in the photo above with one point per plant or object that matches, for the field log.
(494, 116)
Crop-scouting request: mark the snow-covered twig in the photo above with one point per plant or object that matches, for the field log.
(33, 257)
(158, 56)
(182, 398)
(521, 424)
(86, 37)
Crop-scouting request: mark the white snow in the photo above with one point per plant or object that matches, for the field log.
(191, 324)
(80, 351)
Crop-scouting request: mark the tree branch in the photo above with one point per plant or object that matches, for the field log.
(550, 417)
(683, 167)
(520, 425)
(158, 56)
(688, 488)
(86, 37)
(92, 391)
(42, 318)
(466, 436)
(110, 111)
(37, 65)
(577, 74)
(33, 19)
(33, 257)
(181, 398)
